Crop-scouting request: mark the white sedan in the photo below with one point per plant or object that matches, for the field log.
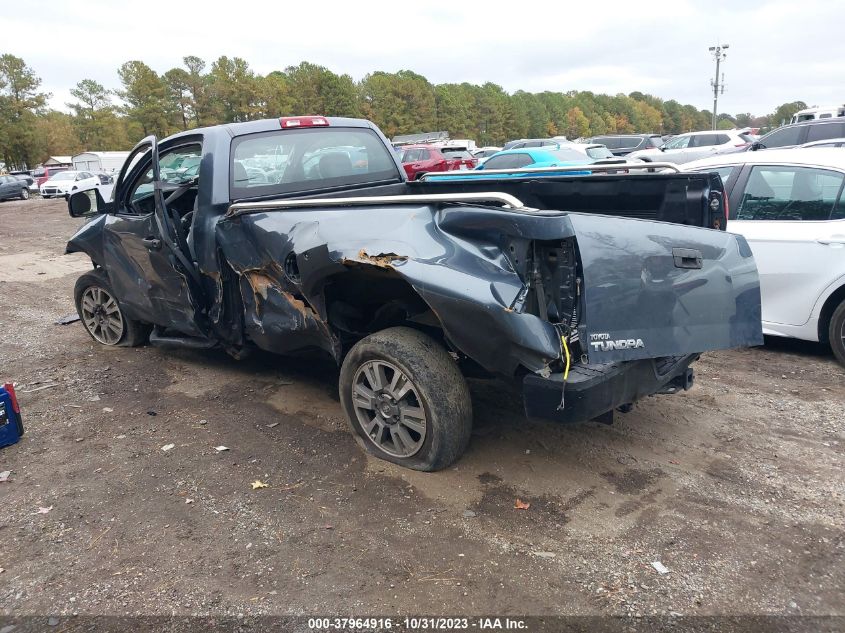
(66, 182)
(790, 206)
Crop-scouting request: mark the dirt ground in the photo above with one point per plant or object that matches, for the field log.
(736, 486)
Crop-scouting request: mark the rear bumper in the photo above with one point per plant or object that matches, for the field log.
(593, 390)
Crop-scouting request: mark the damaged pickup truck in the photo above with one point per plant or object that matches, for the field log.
(303, 233)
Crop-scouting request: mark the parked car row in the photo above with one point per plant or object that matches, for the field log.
(683, 148)
(59, 185)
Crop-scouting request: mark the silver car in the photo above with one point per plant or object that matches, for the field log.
(695, 145)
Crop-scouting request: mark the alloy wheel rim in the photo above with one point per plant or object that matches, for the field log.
(101, 315)
(388, 408)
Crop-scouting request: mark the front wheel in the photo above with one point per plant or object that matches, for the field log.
(24, 194)
(836, 333)
(406, 399)
(101, 314)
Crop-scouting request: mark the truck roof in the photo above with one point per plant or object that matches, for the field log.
(268, 125)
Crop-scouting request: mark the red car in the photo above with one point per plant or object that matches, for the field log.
(43, 174)
(419, 159)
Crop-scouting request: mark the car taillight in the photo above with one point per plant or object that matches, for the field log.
(303, 121)
(718, 210)
(10, 389)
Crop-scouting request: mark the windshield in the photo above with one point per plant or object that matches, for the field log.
(65, 175)
(599, 152)
(455, 153)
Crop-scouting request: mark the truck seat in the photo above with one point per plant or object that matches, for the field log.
(335, 165)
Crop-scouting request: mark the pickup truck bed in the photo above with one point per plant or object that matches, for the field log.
(589, 302)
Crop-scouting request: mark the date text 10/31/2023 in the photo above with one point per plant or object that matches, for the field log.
(417, 624)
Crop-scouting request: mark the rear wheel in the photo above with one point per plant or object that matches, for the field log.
(836, 333)
(406, 399)
(24, 194)
(101, 314)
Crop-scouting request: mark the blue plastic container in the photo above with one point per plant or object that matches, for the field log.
(11, 425)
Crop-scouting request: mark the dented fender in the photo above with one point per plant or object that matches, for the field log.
(460, 273)
(88, 239)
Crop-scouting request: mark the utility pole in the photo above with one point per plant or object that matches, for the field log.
(719, 55)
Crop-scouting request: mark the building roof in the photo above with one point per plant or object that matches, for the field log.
(102, 154)
(58, 160)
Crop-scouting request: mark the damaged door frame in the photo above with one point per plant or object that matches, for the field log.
(165, 224)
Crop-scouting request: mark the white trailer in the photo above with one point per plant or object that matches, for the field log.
(818, 112)
(108, 162)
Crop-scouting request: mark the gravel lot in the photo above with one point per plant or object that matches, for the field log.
(736, 486)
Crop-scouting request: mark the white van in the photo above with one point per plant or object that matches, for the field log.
(818, 112)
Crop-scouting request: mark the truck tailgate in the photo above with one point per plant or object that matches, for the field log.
(658, 289)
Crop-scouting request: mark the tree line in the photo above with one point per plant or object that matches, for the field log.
(197, 94)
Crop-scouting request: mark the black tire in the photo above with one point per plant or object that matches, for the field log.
(437, 389)
(836, 333)
(90, 285)
(24, 194)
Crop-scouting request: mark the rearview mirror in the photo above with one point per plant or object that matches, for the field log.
(83, 204)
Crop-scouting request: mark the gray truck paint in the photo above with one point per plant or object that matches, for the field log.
(277, 278)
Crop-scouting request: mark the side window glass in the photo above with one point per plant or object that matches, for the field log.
(721, 139)
(779, 138)
(496, 162)
(521, 160)
(680, 142)
(508, 161)
(175, 171)
(790, 194)
(724, 172)
(822, 132)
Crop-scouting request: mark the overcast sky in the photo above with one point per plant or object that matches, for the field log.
(779, 50)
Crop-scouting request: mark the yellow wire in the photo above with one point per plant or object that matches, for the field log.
(566, 350)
